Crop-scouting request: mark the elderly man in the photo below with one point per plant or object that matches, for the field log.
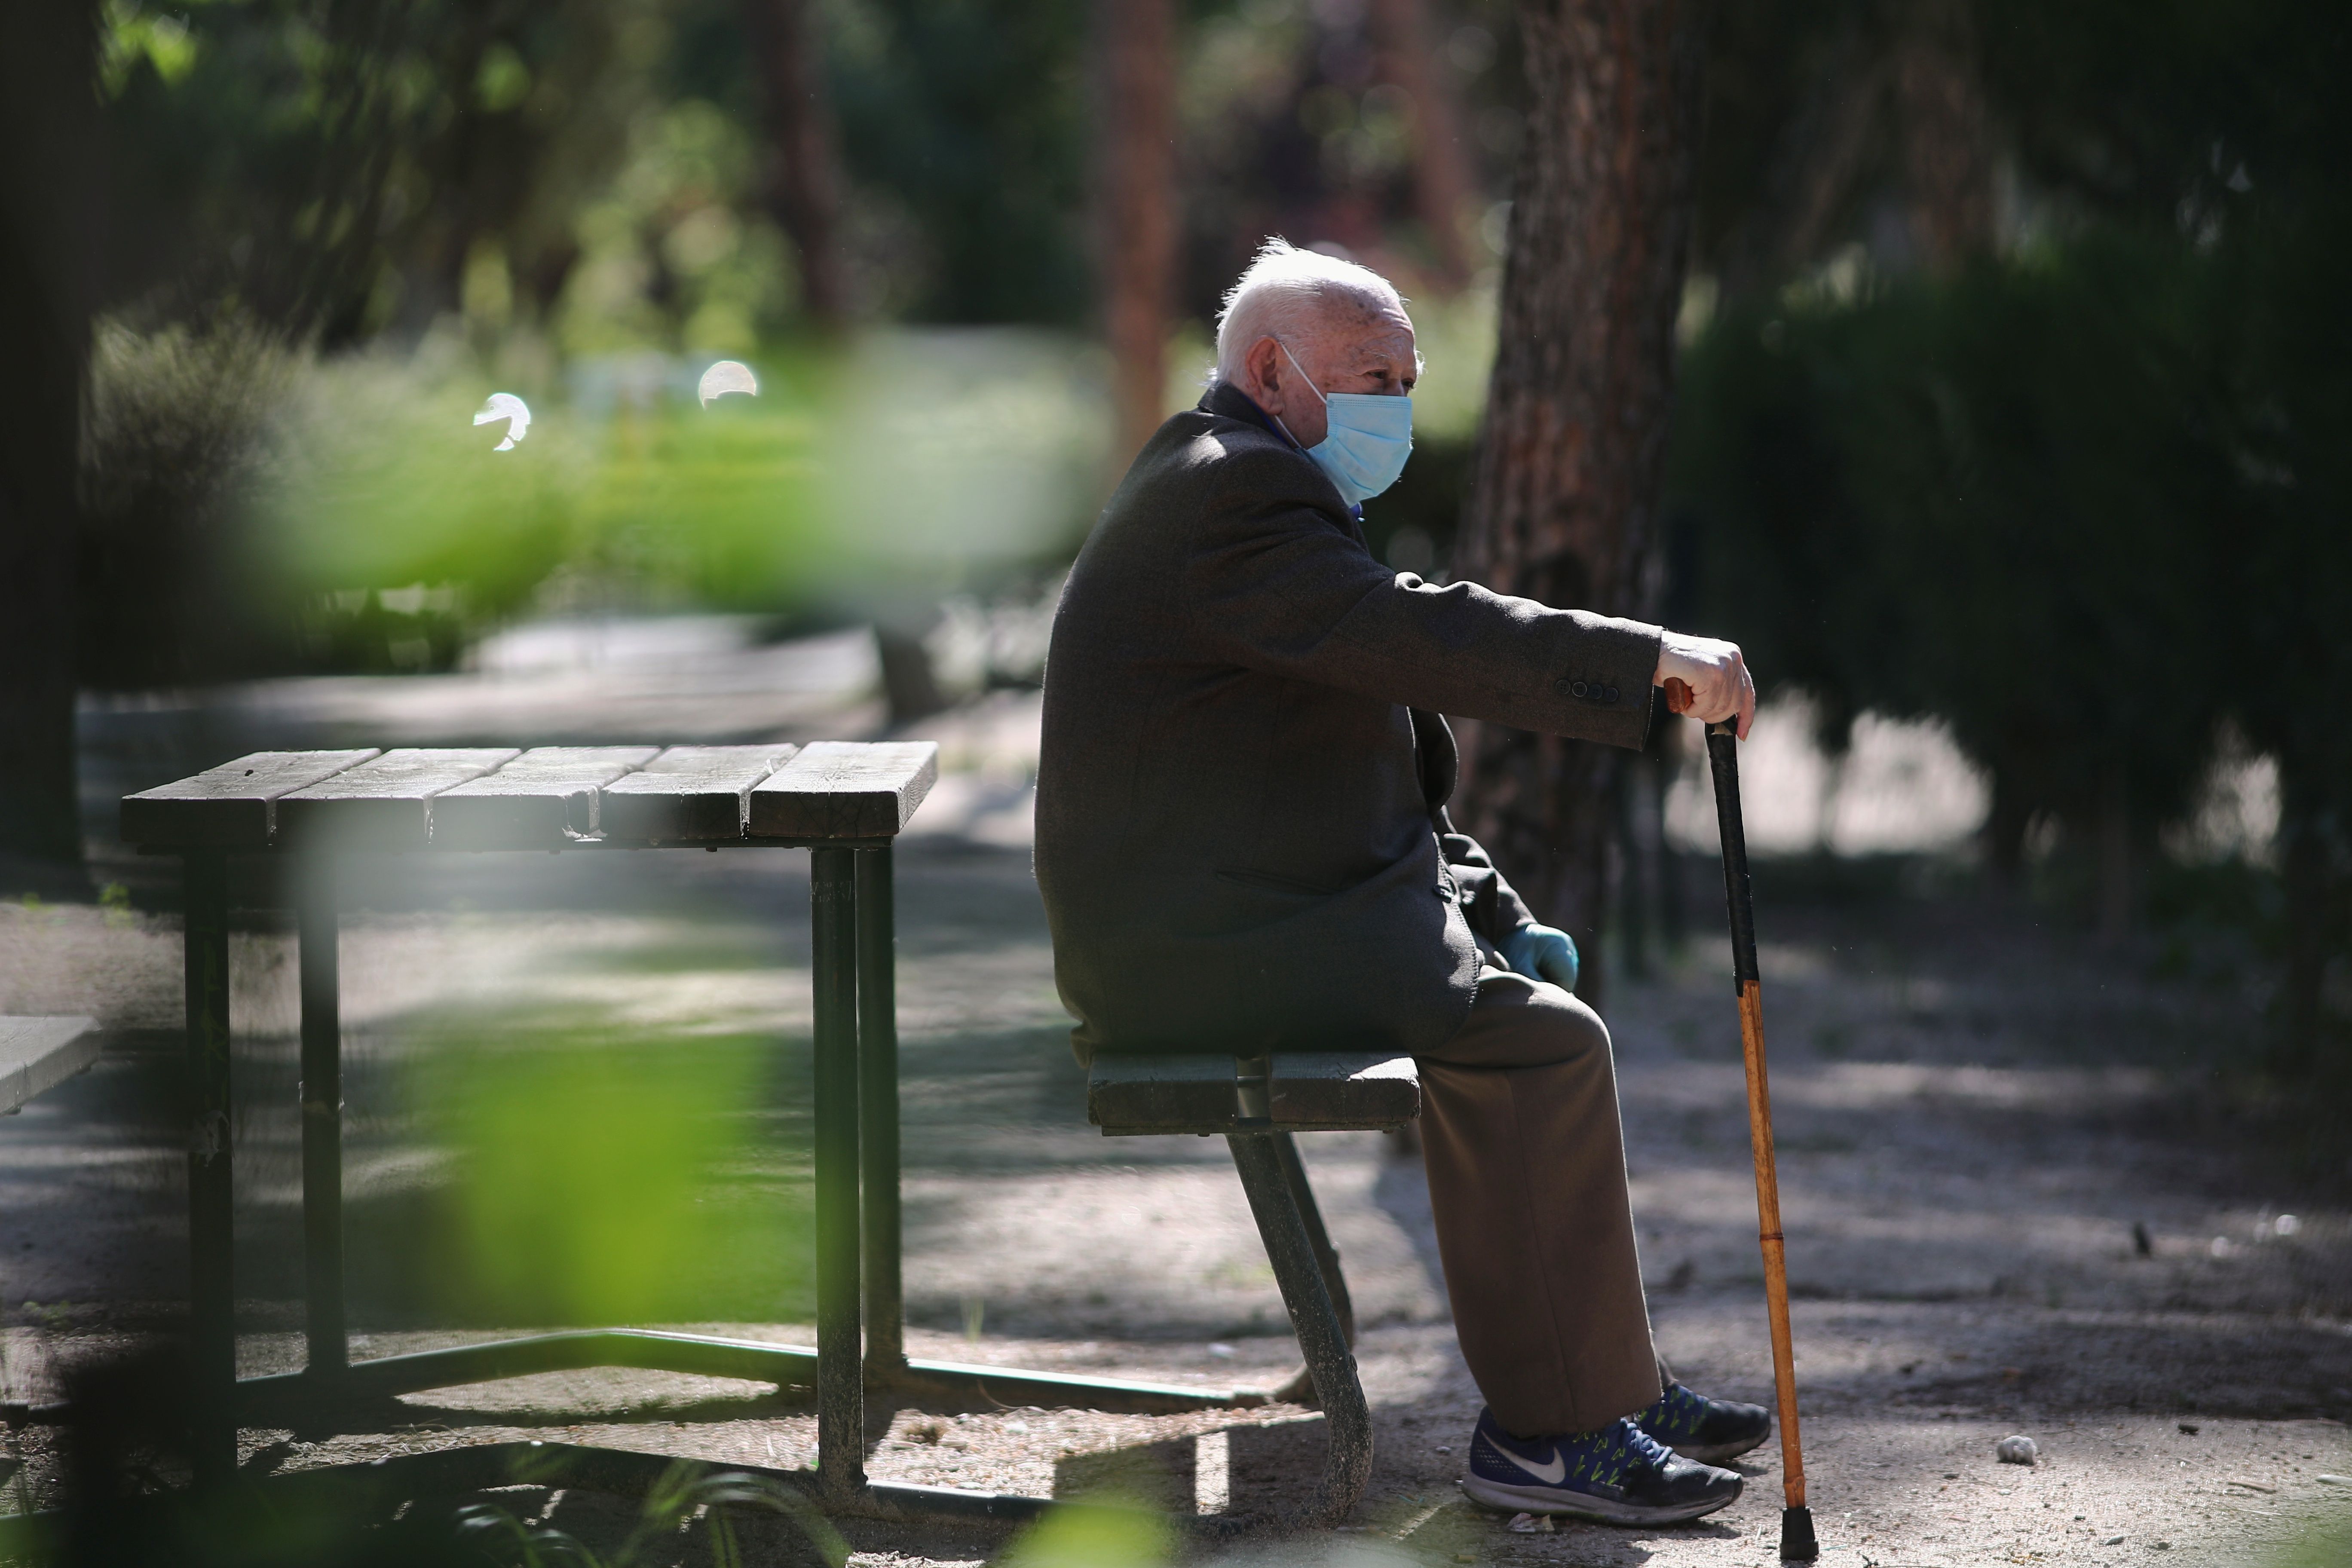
(1243, 845)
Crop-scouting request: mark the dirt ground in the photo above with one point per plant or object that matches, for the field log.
(2014, 1205)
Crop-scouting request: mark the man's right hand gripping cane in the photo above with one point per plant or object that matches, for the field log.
(1706, 678)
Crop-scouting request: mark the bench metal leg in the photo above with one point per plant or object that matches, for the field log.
(322, 1120)
(1327, 1257)
(1300, 1388)
(841, 1378)
(877, 1114)
(1314, 1317)
(212, 1282)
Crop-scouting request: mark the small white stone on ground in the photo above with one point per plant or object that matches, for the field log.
(2015, 1450)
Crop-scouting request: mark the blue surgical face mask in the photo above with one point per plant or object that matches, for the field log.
(1368, 437)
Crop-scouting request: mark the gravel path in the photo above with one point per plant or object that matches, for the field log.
(2014, 1199)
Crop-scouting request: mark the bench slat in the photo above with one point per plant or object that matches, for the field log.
(38, 1053)
(689, 793)
(232, 807)
(386, 804)
(1307, 1092)
(542, 800)
(840, 789)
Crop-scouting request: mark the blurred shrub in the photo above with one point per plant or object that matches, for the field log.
(174, 441)
(2089, 505)
(1999, 499)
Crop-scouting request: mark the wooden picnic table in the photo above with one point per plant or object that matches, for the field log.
(843, 802)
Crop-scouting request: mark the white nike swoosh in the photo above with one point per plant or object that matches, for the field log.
(1551, 1475)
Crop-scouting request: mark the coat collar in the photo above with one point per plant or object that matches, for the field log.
(1230, 402)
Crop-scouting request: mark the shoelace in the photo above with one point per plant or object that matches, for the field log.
(1606, 1454)
(1677, 1414)
(1642, 1449)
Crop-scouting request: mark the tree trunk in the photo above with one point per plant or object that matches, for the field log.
(1947, 149)
(1442, 178)
(49, 179)
(1564, 507)
(803, 184)
(1135, 206)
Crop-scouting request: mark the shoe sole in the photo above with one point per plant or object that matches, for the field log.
(1582, 1505)
(1716, 1452)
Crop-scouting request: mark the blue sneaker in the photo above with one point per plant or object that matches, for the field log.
(1617, 1475)
(1707, 1430)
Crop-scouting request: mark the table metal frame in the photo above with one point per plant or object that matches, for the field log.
(860, 1329)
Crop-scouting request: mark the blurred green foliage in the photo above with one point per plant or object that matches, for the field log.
(1101, 1533)
(2322, 1545)
(603, 1179)
(383, 479)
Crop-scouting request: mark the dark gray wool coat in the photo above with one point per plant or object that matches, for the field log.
(1244, 777)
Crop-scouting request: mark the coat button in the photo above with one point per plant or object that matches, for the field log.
(1610, 695)
(1576, 688)
(1564, 686)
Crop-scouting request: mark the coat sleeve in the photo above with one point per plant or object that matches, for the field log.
(1281, 584)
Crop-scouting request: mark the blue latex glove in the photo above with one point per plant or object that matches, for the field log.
(1540, 952)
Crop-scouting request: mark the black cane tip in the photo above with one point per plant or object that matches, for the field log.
(1797, 1543)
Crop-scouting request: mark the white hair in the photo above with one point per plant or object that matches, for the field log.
(1283, 295)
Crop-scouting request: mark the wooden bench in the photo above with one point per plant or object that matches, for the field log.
(1256, 1103)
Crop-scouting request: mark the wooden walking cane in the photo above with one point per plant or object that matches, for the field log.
(1797, 1541)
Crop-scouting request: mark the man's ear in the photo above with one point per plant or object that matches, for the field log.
(1260, 362)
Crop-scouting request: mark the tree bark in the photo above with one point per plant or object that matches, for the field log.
(802, 184)
(1564, 506)
(1442, 178)
(1135, 206)
(49, 181)
(1947, 147)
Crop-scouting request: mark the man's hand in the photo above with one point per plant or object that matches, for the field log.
(1717, 676)
(1540, 952)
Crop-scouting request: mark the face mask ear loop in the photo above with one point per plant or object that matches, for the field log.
(1302, 373)
(1311, 386)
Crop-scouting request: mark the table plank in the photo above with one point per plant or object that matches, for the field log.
(38, 1053)
(844, 789)
(544, 799)
(687, 794)
(385, 803)
(232, 807)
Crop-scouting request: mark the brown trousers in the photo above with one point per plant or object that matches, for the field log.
(1526, 1178)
